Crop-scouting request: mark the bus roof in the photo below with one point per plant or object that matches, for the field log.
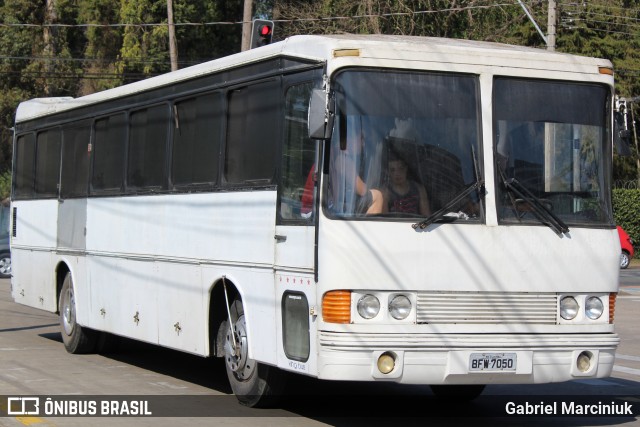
(323, 48)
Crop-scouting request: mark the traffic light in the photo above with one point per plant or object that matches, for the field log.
(261, 32)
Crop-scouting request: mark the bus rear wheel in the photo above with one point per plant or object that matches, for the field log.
(254, 384)
(77, 339)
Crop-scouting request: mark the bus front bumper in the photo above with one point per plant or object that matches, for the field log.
(466, 359)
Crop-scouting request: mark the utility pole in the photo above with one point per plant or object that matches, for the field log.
(246, 25)
(173, 46)
(49, 39)
(635, 135)
(635, 139)
(551, 26)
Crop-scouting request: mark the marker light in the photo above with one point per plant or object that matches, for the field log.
(336, 307)
(612, 306)
(605, 70)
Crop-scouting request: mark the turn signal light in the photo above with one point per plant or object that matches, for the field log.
(612, 306)
(605, 70)
(336, 307)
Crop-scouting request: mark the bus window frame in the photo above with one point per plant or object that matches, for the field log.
(67, 127)
(43, 195)
(197, 186)
(111, 191)
(30, 191)
(314, 78)
(168, 133)
(267, 183)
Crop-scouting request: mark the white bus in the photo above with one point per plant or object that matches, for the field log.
(372, 208)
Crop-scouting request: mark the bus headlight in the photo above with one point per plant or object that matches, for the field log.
(368, 306)
(400, 307)
(568, 308)
(594, 308)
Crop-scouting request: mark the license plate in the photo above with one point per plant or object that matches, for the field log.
(492, 362)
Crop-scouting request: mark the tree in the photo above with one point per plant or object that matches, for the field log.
(102, 45)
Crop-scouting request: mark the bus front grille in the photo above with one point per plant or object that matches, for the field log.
(486, 308)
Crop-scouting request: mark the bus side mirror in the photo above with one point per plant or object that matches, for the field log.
(320, 120)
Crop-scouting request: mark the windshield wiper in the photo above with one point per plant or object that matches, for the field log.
(445, 211)
(543, 212)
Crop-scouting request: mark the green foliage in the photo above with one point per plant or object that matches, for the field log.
(626, 206)
(5, 185)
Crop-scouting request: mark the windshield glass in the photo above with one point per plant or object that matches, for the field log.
(404, 145)
(551, 138)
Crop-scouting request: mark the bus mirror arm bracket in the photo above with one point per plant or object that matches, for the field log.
(321, 114)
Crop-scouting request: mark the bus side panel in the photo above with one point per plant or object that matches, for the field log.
(124, 297)
(294, 278)
(226, 226)
(147, 256)
(33, 279)
(33, 275)
(182, 321)
(72, 221)
(36, 223)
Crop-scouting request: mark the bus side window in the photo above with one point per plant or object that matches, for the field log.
(75, 161)
(147, 147)
(297, 183)
(108, 153)
(48, 144)
(252, 129)
(24, 168)
(196, 140)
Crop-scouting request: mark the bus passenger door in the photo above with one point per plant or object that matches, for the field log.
(295, 236)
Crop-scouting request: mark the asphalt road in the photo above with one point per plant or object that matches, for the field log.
(33, 362)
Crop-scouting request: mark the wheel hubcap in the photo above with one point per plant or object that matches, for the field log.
(624, 260)
(5, 266)
(237, 358)
(68, 313)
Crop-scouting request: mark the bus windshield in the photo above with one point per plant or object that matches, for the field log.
(404, 145)
(550, 141)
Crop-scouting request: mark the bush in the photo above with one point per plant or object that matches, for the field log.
(5, 185)
(626, 210)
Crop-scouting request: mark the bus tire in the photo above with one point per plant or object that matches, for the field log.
(77, 339)
(458, 392)
(254, 384)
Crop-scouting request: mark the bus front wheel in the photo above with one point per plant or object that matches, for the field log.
(254, 384)
(77, 339)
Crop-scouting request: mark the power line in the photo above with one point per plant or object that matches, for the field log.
(138, 60)
(605, 22)
(285, 21)
(80, 75)
(591, 4)
(281, 21)
(599, 30)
